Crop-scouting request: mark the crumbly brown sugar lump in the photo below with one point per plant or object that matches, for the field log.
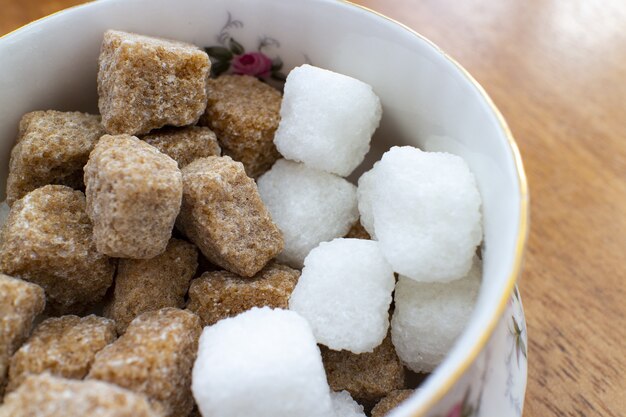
(133, 197)
(48, 240)
(154, 357)
(143, 285)
(20, 303)
(357, 231)
(64, 346)
(195, 412)
(366, 376)
(45, 395)
(184, 144)
(244, 113)
(391, 401)
(221, 294)
(145, 83)
(222, 213)
(52, 148)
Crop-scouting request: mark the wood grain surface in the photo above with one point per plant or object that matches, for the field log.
(557, 71)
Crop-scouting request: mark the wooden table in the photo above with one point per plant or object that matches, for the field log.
(557, 70)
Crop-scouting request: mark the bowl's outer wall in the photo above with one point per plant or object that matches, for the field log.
(427, 100)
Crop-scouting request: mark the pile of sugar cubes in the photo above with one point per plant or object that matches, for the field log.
(196, 249)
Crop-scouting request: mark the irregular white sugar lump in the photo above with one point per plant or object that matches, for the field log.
(425, 208)
(429, 317)
(365, 196)
(262, 363)
(345, 406)
(308, 206)
(327, 119)
(344, 292)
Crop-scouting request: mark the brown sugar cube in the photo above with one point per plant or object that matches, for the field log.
(154, 357)
(222, 213)
(391, 401)
(20, 303)
(204, 265)
(185, 144)
(357, 231)
(143, 285)
(244, 113)
(367, 376)
(64, 346)
(52, 148)
(221, 294)
(133, 197)
(45, 395)
(195, 412)
(48, 240)
(145, 83)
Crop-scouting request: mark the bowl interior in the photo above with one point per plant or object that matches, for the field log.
(428, 101)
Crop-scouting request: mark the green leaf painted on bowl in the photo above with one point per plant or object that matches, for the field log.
(516, 326)
(219, 68)
(219, 53)
(277, 64)
(279, 76)
(235, 47)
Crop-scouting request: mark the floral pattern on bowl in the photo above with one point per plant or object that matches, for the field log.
(495, 384)
(230, 56)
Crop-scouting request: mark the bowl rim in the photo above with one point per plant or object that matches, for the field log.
(522, 232)
(524, 203)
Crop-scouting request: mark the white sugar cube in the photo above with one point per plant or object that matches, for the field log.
(429, 317)
(309, 206)
(327, 119)
(262, 363)
(345, 292)
(345, 406)
(365, 196)
(424, 209)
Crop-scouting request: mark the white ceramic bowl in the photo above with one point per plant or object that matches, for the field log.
(429, 101)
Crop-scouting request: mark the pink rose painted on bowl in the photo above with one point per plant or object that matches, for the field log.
(252, 63)
(457, 411)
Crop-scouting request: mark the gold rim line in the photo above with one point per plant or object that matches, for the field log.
(522, 235)
(523, 215)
